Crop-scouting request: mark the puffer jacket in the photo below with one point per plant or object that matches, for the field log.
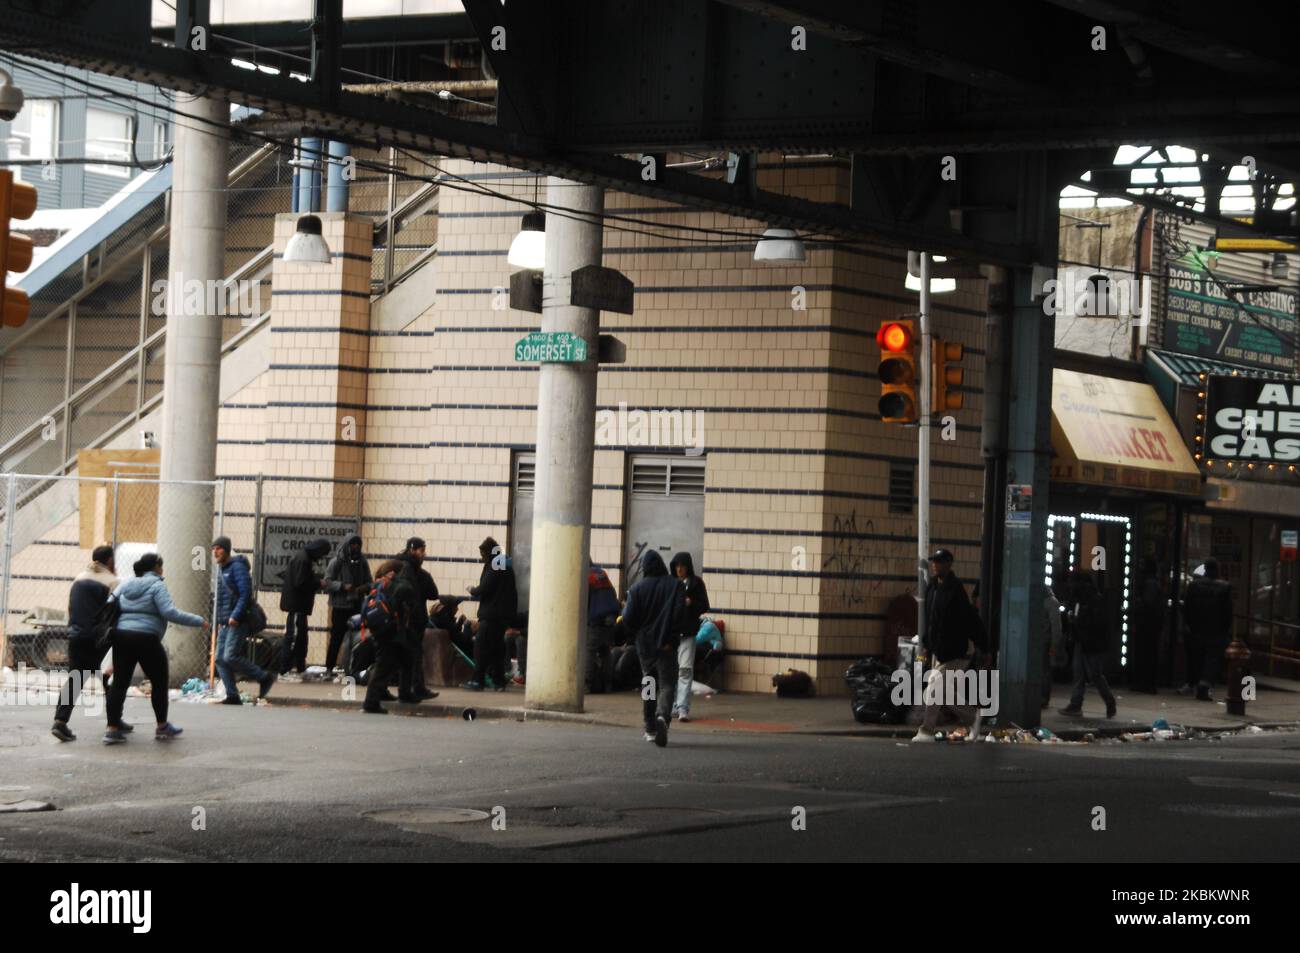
(147, 606)
(234, 590)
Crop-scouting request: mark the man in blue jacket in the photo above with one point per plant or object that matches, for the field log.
(651, 610)
(234, 596)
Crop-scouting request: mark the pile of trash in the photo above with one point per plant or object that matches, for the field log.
(1015, 735)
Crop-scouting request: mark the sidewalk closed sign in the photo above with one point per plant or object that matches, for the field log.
(284, 536)
(551, 347)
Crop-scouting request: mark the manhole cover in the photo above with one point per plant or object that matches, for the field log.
(429, 815)
(669, 812)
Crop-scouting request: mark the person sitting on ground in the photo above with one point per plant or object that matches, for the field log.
(147, 607)
(602, 612)
(88, 595)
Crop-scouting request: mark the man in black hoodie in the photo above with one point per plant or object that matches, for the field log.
(498, 603)
(347, 580)
(297, 599)
(694, 603)
(651, 614)
(411, 686)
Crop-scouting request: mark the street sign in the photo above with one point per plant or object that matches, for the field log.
(1290, 539)
(283, 536)
(552, 347)
(1020, 503)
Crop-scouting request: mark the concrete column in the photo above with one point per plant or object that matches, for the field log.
(566, 434)
(192, 374)
(1028, 461)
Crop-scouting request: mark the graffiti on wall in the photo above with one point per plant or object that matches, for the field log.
(855, 562)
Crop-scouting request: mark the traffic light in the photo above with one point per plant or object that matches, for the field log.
(945, 377)
(17, 200)
(897, 372)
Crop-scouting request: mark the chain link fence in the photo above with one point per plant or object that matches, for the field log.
(49, 525)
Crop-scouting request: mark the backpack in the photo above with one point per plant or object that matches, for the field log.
(102, 628)
(378, 617)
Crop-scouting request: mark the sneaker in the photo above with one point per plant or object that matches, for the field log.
(166, 732)
(114, 737)
(62, 731)
(517, 680)
(661, 732)
(473, 686)
(409, 699)
(125, 728)
(425, 694)
(232, 700)
(923, 735)
(683, 716)
(374, 709)
(388, 696)
(264, 686)
(648, 736)
(1071, 711)
(1187, 689)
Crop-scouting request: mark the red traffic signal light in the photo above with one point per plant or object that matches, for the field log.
(17, 200)
(946, 377)
(897, 372)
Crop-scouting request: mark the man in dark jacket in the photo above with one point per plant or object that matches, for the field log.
(88, 595)
(347, 580)
(422, 589)
(951, 624)
(1207, 615)
(498, 603)
(1091, 636)
(694, 603)
(234, 596)
(651, 614)
(297, 599)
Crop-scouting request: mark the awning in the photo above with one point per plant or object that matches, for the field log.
(1117, 433)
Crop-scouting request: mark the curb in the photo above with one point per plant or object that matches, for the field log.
(434, 709)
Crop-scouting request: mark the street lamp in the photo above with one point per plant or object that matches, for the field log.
(528, 250)
(306, 243)
(779, 244)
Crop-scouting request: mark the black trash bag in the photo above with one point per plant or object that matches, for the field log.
(870, 687)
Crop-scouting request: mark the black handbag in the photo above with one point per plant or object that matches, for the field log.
(254, 618)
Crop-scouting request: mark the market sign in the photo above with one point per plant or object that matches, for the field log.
(1201, 319)
(283, 536)
(1251, 420)
(1116, 433)
(552, 347)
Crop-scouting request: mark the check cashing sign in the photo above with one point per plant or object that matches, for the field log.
(1252, 420)
(551, 347)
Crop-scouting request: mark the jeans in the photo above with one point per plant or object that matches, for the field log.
(964, 713)
(662, 672)
(231, 659)
(1088, 668)
(685, 674)
(294, 652)
(84, 663)
(339, 617)
(145, 649)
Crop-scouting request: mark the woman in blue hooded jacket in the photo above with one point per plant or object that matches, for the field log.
(146, 607)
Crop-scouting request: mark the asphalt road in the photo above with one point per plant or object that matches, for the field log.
(289, 784)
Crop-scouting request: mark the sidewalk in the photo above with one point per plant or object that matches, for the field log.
(729, 711)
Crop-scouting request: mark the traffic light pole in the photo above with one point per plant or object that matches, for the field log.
(923, 450)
